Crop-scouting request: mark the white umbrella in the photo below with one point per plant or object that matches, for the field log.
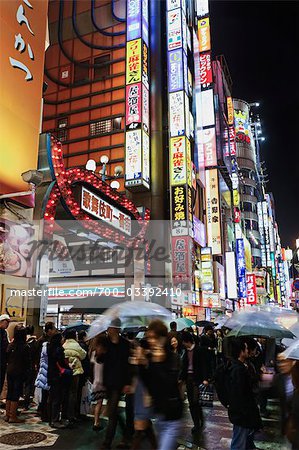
(293, 351)
(132, 314)
(294, 329)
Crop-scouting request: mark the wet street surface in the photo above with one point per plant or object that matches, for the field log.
(216, 434)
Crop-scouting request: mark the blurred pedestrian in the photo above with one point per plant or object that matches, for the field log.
(160, 374)
(283, 389)
(29, 383)
(243, 411)
(292, 426)
(143, 404)
(82, 340)
(18, 369)
(41, 382)
(4, 322)
(117, 380)
(75, 354)
(59, 380)
(219, 339)
(97, 348)
(195, 371)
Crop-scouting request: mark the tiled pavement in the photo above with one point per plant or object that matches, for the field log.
(216, 434)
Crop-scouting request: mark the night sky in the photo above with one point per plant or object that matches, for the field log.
(260, 42)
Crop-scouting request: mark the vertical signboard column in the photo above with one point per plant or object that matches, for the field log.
(179, 144)
(137, 147)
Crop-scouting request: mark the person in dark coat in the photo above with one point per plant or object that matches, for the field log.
(195, 371)
(4, 322)
(82, 338)
(29, 384)
(159, 370)
(243, 411)
(49, 331)
(59, 382)
(116, 379)
(208, 340)
(283, 389)
(18, 370)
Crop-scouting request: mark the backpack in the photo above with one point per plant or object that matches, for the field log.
(221, 382)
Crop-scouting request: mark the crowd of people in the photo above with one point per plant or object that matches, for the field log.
(152, 375)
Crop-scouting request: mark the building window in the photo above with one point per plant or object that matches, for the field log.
(81, 72)
(61, 129)
(105, 126)
(102, 71)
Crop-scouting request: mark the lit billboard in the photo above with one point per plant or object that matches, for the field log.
(213, 211)
(178, 162)
(134, 62)
(207, 104)
(22, 45)
(251, 289)
(241, 268)
(175, 71)
(176, 113)
(206, 75)
(204, 37)
(207, 139)
(174, 29)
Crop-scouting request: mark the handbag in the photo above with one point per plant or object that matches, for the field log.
(63, 371)
(206, 395)
(85, 404)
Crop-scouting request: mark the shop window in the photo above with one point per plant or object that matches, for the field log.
(105, 126)
(102, 71)
(61, 129)
(81, 72)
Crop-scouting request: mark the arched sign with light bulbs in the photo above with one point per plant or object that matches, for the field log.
(116, 218)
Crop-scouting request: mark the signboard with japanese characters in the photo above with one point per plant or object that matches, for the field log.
(133, 105)
(213, 211)
(22, 48)
(175, 70)
(133, 19)
(199, 232)
(207, 281)
(179, 203)
(134, 62)
(99, 208)
(178, 161)
(207, 139)
(251, 289)
(210, 300)
(202, 8)
(173, 4)
(204, 34)
(145, 109)
(137, 146)
(176, 113)
(174, 29)
(180, 254)
(133, 154)
(230, 111)
(241, 268)
(206, 75)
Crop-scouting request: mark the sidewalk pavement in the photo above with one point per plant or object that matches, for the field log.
(216, 434)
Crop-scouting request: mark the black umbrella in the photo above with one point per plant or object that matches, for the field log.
(205, 323)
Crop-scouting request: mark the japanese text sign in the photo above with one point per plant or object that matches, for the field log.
(213, 211)
(134, 63)
(22, 48)
(103, 210)
(251, 289)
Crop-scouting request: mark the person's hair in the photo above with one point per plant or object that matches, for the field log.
(49, 326)
(295, 375)
(251, 343)
(187, 337)
(19, 335)
(30, 329)
(171, 335)
(97, 341)
(81, 335)
(55, 340)
(173, 326)
(158, 327)
(208, 328)
(70, 334)
(221, 333)
(238, 346)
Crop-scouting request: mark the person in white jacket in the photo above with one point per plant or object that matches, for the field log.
(74, 353)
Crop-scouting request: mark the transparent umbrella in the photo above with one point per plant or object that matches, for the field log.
(132, 314)
(292, 352)
(183, 322)
(294, 329)
(256, 323)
